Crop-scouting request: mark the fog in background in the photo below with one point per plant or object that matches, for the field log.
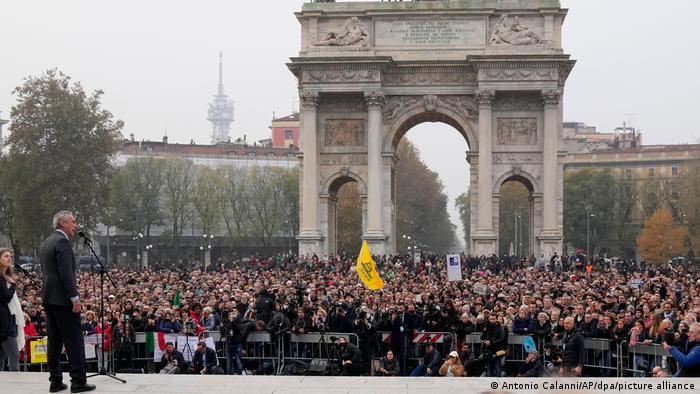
(157, 62)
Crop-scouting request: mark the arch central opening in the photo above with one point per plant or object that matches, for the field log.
(345, 216)
(515, 211)
(431, 175)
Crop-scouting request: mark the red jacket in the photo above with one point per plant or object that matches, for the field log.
(107, 339)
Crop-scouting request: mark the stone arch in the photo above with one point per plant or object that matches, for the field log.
(518, 175)
(341, 177)
(533, 225)
(419, 114)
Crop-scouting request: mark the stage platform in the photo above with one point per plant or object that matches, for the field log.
(16, 383)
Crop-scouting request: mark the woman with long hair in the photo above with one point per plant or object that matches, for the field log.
(11, 316)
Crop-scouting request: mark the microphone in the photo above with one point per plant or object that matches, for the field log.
(82, 235)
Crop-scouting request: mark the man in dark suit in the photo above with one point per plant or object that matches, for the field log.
(62, 305)
(204, 361)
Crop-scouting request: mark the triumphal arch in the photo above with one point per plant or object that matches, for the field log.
(369, 71)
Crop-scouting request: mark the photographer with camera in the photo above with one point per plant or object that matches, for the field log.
(688, 358)
(339, 321)
(364, 328)
(389, 365)
(302, 323)
(124, 340)
(235, 330)
(278, 325)
(350, 357)
(319, 321)
(264, 306)
(172, 360)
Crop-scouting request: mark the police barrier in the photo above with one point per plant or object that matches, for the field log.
(601, 359)
(307, 347)
(640, 359)
(411, 348)
(33, 356)
(602, 356)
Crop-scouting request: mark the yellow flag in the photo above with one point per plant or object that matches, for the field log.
(367, 269)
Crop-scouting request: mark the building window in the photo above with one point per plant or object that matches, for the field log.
(628, 173)
(674, 171)
(289, 134)
(652, 172)
(673, 190)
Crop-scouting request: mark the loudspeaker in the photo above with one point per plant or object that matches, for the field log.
(318, 365)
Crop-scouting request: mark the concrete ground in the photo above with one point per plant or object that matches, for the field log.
(169, 384)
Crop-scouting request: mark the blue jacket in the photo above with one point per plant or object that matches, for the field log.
(169, 327)
(522, 326)
(532, 370)
(689, 363)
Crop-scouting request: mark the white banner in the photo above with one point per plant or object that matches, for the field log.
(454, 268)
(187, 345)
(90, 342)
(157, 352)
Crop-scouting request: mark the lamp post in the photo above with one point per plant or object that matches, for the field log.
(137, 238)
(108, 255)
(588, 233)
(289, 236)
(520, 233)
(144, 260)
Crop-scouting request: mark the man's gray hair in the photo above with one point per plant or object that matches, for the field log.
(60, 218)
(695, 327)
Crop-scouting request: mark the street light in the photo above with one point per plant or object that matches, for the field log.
(289, 236)
(137, 238)
(144, 260)
(588, 233)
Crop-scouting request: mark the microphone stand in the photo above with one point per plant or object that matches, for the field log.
(27, 275)
(103, 272)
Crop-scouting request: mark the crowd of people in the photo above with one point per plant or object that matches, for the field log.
(562, 300)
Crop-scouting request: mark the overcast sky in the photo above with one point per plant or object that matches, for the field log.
(157, 62)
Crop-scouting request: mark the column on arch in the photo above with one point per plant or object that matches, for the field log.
(310, 178)
(485, 180)
(551, 100)
(374, 102)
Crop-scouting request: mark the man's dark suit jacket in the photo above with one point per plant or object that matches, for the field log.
(58, 264)
(198, 363)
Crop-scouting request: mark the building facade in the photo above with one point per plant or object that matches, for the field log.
(285, 131)
(656, 166)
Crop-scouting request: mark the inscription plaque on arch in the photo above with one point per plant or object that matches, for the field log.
(417, 32)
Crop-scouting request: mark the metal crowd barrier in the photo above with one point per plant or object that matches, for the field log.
(641, 359)
(314, 345)
(413, 349)
(603, 357)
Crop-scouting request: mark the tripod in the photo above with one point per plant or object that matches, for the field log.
(323, 345)
(102, 371)
(187, 349)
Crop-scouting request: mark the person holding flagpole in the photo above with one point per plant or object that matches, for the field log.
(367, 269)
